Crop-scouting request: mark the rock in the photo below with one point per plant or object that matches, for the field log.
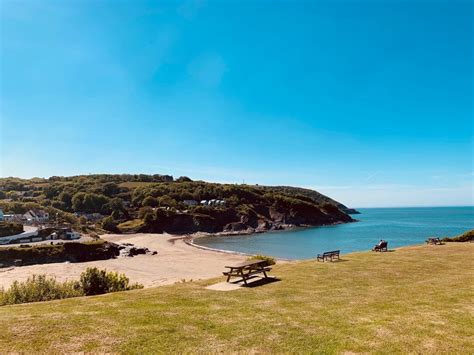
(235, 227)
(130, 250)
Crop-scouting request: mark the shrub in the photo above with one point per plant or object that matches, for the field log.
(148, 218)
(109, 225)
(465, 237)
(269, 260)
(143, 211)
(39, 288)
(95, 282)
(7, 228)
(150, 201)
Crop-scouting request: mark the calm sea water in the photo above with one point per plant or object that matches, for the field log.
(399, 226)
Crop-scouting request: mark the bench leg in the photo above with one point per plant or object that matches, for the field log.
(228, 278)
(243, 277)
(264, 273)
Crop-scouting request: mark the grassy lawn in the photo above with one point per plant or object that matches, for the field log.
(416, 299)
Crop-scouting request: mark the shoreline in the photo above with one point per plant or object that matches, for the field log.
(176, 261)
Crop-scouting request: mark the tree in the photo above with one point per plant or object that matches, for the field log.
(116, 204)
(109, 225)
(166, 201)
(148, 218)
(183, 179)
(77, 201)
(116, 214)
(150, 201)
(110, 189)
(143, 211)
(66, 198)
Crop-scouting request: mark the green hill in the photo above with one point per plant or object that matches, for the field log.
(163, 203)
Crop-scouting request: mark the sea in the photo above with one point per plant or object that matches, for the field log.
(399, 226)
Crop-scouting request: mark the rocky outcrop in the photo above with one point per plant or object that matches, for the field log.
(257, 219)
(130, 250)
(57, 253)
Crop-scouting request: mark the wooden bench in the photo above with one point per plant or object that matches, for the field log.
(329, 255)
(434, 241)
(247, 269)
(381, 247)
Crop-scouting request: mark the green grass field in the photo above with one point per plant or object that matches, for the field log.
(417, 300)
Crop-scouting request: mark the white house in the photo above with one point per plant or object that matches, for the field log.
(213, 202)
(13, 218)
(36, 216)
(190, 202)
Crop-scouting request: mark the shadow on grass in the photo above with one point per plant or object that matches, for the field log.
(255, 281)
(261, 281)
(333, 261)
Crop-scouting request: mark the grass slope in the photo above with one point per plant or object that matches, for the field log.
(416, 299)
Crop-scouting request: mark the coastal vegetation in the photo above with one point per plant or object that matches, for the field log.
(7, 229)
(157, 203)
(268, 259)
(38, 288)
(465, 237)
(411, 300)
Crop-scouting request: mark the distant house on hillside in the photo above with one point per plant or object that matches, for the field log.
(213, 202)
(190, 202)
(1, 215)
(13, 218)
(39, 216)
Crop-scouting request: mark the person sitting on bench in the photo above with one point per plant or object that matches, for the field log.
(382, 245)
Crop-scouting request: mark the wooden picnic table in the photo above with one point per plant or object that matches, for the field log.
(247, 269)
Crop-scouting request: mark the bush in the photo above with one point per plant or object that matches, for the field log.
(465, 237)
(269, 260)
(148, 218)
(39, 288)
(96, 282)
(7, 228)
(109, 225)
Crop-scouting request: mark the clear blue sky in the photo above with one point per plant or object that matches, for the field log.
(368, 102)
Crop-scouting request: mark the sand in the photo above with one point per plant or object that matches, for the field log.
(175, 261)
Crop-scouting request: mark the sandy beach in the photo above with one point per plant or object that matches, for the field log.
(175, 261)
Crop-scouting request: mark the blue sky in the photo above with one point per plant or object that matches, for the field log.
(368, 102)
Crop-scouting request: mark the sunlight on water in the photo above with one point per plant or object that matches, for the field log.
(399, 226)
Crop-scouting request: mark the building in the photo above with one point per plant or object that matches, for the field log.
(13, 218)
(65, 234)
(190, 202)
(213, 202)
(1, 215)
(38, 216)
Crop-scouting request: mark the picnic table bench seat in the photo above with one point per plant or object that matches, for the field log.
(328, 255)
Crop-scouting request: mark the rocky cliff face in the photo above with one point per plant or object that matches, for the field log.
(259, 220)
